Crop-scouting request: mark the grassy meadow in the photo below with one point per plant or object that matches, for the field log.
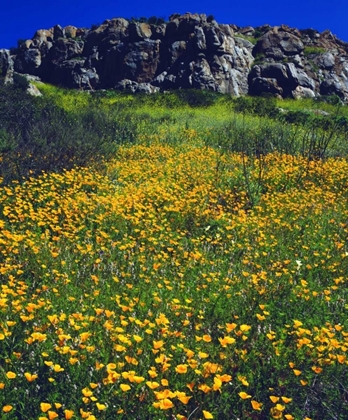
(185, 257)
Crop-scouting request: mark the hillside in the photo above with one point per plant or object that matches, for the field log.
(200, 272)
(64, 128)
(189, 51)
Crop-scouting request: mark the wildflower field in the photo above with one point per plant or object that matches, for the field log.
(176, 281)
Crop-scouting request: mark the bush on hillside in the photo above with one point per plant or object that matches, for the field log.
(197, 98)
(36, 135)
(263, 106)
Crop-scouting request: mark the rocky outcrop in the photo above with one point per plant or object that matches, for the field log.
(304, 63)
(189, 51)
(6, 65)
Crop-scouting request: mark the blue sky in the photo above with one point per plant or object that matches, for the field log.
(20, 19)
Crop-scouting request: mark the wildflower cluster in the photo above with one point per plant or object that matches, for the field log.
(154, 290)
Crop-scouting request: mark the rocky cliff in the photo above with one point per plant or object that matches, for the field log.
(189, 51)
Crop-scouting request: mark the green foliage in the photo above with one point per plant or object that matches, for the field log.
(259, 58)
(297, 117)
(257, 105)
(313, 50)
(152, 20)
(259, 31)
(20, 81)
(37, 135)
(15, 50)
(67, 127)
(329, 99)
(251, 39)
(197, 98)
(95, 26)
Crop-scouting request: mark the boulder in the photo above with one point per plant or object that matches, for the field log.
(278, 43)
(302, 92)
(6, 66)
(139, 31)
(72, 74)
(326, 61)
(137, 61)
(262, 85)
(202, 77)
(188, 23)
(140, 61)
(247, 31)
(107, 35)
(158, 31)
(333, 87)
(200, 40)
(28, 61)
(58, 32)
(43, 35)
(176, 50)
(65, 49)
(135, 87)
(213, 40)
(33, 90)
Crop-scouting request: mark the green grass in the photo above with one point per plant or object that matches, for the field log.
(313, 50)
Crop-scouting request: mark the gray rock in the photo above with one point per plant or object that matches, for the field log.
(28, 61)
(43, 35)
(72, 74)
(227, 30)
(327, 61)
(33, 90)
(135, 87)
(213, 41)
(304, 80)
(332, 87)
(247, 31)
(139, 31)
(243, 43)
(262, 85)
(147, 88)
(278, 42)
(200, 39)
(58, 32)
(71, 31)
(202, 77)
(6, 66)
(302, 92)
(140, 62)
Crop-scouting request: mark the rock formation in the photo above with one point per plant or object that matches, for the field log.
(189, 51)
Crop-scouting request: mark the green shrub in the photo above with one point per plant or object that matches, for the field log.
(251, 39)
(264, 106)
(297, 117)
(15, 50)
(197, 98)
(258, 58)
(37, 135)
(20, 81)
(152, 20)
(313, 50)
(329, 99)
